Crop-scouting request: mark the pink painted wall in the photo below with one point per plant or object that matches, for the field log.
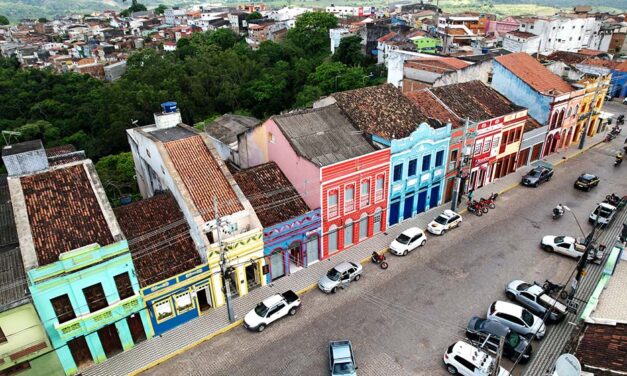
(304, 175)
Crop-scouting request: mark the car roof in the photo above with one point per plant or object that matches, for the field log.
(587, 176)
(272, 300)
(607, 206)
(448, 213)
(535, 289)
(343, 266)
(508, 307)
(412, 231)
(468, 351)
(495, 327)
(341, 352)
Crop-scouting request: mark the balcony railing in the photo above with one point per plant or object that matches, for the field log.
(378, 195)
(349, 206)
(364, 201)
(333, 212)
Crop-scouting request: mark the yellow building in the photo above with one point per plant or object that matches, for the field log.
(591, 84)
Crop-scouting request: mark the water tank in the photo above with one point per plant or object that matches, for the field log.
(168, 107)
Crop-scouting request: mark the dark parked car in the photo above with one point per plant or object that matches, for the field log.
(515, 345)
(586, 182)
(537, 176)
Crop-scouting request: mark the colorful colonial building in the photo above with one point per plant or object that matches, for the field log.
(291, 231)
(79, 269)
(171, 156)
(591, 105)
(335, 169)
(419, 151)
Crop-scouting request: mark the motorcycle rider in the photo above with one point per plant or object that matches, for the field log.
(619, 157)
(559, 209)
(377, 257)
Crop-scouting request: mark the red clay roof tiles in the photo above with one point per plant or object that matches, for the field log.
(440, 65)
(604, 347)
(273, 197)
(202, 176)
(158, 238)
(534, 73)
(432, 108)
(64, 212)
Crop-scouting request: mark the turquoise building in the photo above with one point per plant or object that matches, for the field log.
(417, 171)
(78, 265)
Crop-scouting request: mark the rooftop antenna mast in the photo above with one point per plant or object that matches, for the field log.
(6, 135)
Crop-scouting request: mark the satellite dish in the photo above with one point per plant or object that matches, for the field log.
(567, 365)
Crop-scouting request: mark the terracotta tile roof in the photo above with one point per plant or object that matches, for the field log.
(619, 66)
(202, 176)
(605, 347)
(387, 36)
(60, 150)
(273, 197)
(158, 238)
(474, 100)
(439, 65)
(521, 34)
(64, 212)
(534, 73)
(531, 124)
(380, 110)
(432, 108)
(64, 154)
(589, 52)
(567, 57)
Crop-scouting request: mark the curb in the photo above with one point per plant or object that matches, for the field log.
(313, 285)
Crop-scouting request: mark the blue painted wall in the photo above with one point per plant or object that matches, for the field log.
(279, 237)
(417, 191)
(78, 269)
(517, 91)
(619, 84)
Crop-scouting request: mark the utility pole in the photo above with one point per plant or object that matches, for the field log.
(223, 267)
(460, 166)
(582, 140)
(499, 356)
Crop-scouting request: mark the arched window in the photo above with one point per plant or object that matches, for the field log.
(348, 233)
(313, 252)
(376, 228)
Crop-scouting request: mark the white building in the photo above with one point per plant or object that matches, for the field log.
(175, 16)
(564, 33)
(346, 11)
(336, 36)
(521, 41)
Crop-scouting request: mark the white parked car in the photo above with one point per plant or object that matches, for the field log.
(272, 309)
(407, 241)
(605, 212)
(517, 319)
(444, 222)
(565, 245)
(342, 274)
(462, 358)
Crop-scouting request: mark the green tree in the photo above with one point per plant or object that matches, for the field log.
(254, 16)
(42, 20)
(4, 20)
(349, 51)
(311, 32)
(117, 174)
(160, 9)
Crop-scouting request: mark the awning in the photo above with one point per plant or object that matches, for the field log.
(606, 115)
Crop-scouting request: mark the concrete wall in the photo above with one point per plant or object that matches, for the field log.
(395, 63)
(253, 147)
(516, 44)
(517, 91)
(304, 175)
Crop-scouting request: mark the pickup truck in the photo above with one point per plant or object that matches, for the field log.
(272, 309)
(341, 359)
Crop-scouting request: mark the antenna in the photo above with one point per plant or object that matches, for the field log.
(7, 140)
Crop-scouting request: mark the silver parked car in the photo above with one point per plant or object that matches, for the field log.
(340, 275)
(534, 298)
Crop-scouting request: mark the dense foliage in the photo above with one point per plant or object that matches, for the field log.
(4, 20)
(211, 73)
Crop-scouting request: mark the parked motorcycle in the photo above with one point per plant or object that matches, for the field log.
(557, 213)
(379, 259)
(489, 202)
(553, 288)
(620, 119)
(475, 208)
(616, 130)
(596, 254)
(609, 137)
(612, 199)
(618, 160)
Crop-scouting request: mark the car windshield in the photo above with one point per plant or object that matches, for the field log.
(261, 310)
(512, 339)
(343, 369)
(535, 173)
(527, 317)
(403, 239)
(441, 220)
(559, 239)
(605, 212)
(523, 287)
(585, 178)
(333, 274)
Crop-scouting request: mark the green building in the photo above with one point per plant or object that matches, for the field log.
(427, 44)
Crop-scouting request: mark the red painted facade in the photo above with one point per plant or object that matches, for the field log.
(346, 211)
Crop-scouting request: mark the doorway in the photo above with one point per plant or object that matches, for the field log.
(80, 352)
(136, 328)
(203, 297)
(313, 249)
(408, 208)
(110, 340)
(277, 265)
(252, 276)
(394, 212)
(296, 257)
(422, 201)
(435, 196)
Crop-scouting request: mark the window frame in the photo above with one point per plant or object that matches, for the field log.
(426, 157)
(412, 163)
(167, 300)
(364, 200)
(352, 207)
(397, 168)
(333, 192)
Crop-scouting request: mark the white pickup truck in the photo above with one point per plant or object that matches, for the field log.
(272, 309)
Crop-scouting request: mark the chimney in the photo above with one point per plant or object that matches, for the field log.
(25, 158)
(169, 117)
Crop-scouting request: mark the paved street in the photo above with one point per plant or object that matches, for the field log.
(402, 319)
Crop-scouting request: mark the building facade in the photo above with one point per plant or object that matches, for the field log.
(591, 104)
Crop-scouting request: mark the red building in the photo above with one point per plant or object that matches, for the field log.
(334, 168)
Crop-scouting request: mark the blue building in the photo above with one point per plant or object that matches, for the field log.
(419, 152)
(417, 171)
(174, 283)
(79, 269)
(618, 83)
(291, 231)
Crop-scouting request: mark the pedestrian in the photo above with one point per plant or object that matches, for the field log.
(470, 192)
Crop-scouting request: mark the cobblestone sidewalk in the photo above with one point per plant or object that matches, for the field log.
(214, 322)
